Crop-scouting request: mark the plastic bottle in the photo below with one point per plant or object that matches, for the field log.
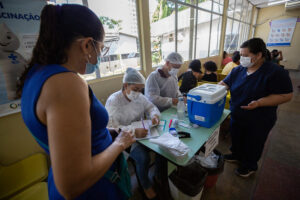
(181, 108)
(173, 131)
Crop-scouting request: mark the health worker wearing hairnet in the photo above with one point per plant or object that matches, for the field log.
(129, 105)
(162, 84)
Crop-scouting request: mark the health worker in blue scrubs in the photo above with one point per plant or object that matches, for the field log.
(257, 87)
(63, 114)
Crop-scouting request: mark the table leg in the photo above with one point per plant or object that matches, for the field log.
(162, 175)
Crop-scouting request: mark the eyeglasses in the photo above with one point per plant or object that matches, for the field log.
(104, 51)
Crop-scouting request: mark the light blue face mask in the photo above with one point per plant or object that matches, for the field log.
(91, 68)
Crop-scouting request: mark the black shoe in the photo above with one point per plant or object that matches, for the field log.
(244, 172)
(231, 158)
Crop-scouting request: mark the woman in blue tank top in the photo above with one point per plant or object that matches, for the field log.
(63, 114)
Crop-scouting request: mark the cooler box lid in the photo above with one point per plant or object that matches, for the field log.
(207, 93)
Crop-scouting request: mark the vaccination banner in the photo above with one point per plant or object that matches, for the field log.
(281, 32)
(19, 27)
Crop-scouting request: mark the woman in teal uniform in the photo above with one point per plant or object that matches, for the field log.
(257, 87)
(63, 114)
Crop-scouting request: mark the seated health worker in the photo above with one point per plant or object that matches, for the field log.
(235, 62)
(191, 77)
(129, 105)
(257, 87)
(210, 72)
(63, 114)
(162, 85)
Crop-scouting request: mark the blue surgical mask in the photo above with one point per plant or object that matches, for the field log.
(91, 68)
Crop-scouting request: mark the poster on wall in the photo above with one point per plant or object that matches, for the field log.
(19, 27)
(281, 32)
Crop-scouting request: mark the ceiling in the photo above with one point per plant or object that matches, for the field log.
(266, 3)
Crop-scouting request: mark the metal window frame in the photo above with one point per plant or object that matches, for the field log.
(239, 20)
(191, 5)
(242, 9)
(196, 30)
(197, 9)
(98, 74)
(232, 18)
(176, 25)
(210, 24)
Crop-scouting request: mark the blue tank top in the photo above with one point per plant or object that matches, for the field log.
(101, 137)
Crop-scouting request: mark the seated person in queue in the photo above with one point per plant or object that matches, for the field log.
(257, 87)
(276, 56)
(210, 72)
(226, 59)
(234, 63)
(63, 114)
(191, 77)
(130, 105)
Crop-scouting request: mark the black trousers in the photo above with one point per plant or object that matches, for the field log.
(248, 139)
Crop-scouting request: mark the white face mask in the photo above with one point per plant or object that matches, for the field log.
(173, 72)
(246, 62)
(132, 96)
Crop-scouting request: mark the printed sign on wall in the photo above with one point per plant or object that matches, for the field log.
(281, 32)
(19, 27)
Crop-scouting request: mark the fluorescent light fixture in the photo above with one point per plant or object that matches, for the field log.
(277, 2)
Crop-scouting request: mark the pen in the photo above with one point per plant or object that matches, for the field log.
(170, 123)
(143, 122)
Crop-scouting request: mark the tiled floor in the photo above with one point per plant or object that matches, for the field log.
(278, 176)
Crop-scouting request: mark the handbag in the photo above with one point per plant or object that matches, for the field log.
(120, 176)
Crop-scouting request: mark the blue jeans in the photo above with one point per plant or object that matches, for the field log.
(141, 156)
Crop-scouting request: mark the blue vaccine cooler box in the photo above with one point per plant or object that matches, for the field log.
(206, 104)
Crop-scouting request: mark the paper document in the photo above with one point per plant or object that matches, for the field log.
(152, 129)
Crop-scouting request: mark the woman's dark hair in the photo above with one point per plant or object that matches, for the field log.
(268, 55)
(60, 26)
(224, 54)
(210, 66)
(236, 56)
(255, 45)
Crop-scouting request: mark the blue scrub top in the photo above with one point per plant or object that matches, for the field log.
(268, 79)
